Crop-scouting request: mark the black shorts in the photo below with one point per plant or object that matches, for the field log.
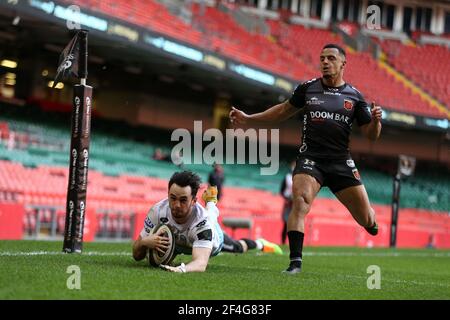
(334, 174)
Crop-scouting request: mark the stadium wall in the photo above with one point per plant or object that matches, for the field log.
(11, 221)
(330, 224)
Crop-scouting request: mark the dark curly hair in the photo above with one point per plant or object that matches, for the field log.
(186, 178)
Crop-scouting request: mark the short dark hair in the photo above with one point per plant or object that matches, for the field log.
(335, 46)
(186, 178)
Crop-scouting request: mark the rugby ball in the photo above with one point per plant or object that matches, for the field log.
(156, 258)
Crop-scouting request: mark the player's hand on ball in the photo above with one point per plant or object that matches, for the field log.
(237, 116)
(376, 112)
(157, 242)
(180, 269)
(162, 243)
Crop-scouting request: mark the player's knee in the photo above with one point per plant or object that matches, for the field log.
(301, 205)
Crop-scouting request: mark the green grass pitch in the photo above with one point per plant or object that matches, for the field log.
(38, 270)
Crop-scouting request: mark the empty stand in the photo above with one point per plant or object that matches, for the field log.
(234, 41)
(425, 65)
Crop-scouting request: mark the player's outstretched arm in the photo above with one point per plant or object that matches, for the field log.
(372, 130)
(200, 258)
(276, 113)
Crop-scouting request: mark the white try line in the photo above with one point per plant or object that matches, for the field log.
(318, 254)
(59, 253)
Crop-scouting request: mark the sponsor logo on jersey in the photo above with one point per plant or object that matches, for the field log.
(356, 174)
(201, 224)
(351, 163)
(332, 93)
(323, 115)
(309, 162)
(314, 101)
(348, 104)
(164, 220)
(148, 223)
(303, 147)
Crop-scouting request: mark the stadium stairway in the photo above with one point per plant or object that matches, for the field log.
(429, 72)
(415, 88)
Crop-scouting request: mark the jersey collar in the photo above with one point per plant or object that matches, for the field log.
(333, 89)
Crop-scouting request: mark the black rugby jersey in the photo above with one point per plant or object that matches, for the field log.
(328, 116)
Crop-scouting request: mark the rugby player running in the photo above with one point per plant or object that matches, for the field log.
(329, 106)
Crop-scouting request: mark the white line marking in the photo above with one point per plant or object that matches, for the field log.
(318, 254)
(56, 253)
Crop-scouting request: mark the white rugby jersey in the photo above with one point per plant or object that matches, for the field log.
(200, 231)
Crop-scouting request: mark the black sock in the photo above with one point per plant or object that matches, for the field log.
(295, 246)
(373, 226)
(250, 243)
